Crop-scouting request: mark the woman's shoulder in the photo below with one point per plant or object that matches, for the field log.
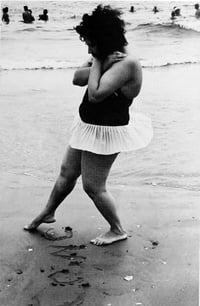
(132, 67)
(132, 61)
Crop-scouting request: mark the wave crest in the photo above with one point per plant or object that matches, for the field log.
(181, 25)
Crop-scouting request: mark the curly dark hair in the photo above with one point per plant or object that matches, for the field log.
(104, 28)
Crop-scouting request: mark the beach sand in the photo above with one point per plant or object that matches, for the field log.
(161, 253)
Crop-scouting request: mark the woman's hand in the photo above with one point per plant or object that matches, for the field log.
(102, 83)
(115, 57)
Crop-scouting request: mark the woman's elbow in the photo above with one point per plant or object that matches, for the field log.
(75, 82)
(79, 81)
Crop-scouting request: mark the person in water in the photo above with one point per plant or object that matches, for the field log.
(177, 11)
(5, 16)
(103, 127)
(173, 15)
(32, 17)
(44, 16)
(197, 10)
(155, 10)
(27, 15)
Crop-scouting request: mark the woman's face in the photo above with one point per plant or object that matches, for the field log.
(92, 49)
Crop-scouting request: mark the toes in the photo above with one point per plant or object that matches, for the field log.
(101, 241)
(93, 241)
(97, 241)
(41, 219)
(29, 227)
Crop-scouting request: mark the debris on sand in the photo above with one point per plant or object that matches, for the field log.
(128, 278)
(68, 231)
(155, 243)
(85, 285)
(74, 263)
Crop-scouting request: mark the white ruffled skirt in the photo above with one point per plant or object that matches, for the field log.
(111, 139)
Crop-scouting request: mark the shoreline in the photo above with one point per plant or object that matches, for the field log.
(73, 68)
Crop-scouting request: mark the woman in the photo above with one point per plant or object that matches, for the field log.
(102, 129)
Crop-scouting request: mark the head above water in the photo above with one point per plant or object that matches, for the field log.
(103, 29)
(5, 9)
(196, 6)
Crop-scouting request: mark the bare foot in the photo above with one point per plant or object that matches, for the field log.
(42, 218)
(108, 238)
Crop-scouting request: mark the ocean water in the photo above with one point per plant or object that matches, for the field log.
(54, 45)
(164, 47)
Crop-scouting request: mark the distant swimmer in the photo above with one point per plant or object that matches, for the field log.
(27, 15)
(197, 13)
(32, 17)
(5, 16)
(132, 9)
(177, 11)
(155, 10)
(44, 16)
(173, 16)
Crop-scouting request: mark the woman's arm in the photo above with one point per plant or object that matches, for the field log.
(81, 75)
(101, 85)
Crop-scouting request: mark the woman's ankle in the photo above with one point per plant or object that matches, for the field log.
(117, 229)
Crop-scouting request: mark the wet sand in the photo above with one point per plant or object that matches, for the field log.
(160, 255)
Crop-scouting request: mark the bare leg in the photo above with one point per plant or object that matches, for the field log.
(70, 171)
(95, 169)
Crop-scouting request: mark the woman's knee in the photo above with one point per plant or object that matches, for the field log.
(92, 189)
(68, 174)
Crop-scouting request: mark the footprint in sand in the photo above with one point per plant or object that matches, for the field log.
(65, 277)
(51, 234)
(64, 252)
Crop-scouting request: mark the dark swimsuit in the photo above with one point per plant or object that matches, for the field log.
(112, 111)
